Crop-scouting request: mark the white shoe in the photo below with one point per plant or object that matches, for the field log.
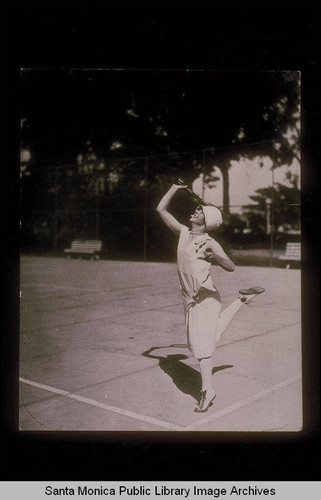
(248, 294)
(206, 400)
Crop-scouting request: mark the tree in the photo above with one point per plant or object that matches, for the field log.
(131, 115)
(154, 112)
(285, 205)
(209, 110)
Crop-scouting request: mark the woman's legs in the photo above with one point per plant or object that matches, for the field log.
(207, 392)
(224, 319)
(226, 316)
(206, 363)
(245, 297)
(202, 320)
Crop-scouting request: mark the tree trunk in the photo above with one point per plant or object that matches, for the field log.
(226, 188)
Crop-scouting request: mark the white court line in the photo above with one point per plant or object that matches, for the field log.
(53, 287)
(82, 399)
(244, 402)
(167, 425)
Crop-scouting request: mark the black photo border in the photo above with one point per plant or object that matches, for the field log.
(119, 456)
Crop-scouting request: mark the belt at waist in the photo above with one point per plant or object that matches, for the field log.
(195, 296)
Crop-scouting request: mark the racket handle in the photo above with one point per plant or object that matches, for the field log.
(181, 182)
(199, 200)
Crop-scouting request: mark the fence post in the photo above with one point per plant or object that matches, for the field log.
(55, 235)
(272, 207)
(145, 212)
(97, 211)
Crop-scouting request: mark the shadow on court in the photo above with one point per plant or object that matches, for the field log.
(185, 378)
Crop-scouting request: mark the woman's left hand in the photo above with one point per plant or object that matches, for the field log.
(208, 255)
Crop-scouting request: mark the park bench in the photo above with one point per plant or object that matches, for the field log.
(292, 253)
(85, 247)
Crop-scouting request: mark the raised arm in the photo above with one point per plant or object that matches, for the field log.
(162, 209)
(215, 254)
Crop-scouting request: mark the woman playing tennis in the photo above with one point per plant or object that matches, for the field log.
(196, 252)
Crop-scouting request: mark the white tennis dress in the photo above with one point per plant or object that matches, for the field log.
(202, 304)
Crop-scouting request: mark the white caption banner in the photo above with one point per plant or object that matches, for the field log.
(178, 490)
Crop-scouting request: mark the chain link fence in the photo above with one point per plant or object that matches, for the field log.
(115, 200)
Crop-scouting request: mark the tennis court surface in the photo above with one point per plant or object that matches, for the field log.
(103, 348)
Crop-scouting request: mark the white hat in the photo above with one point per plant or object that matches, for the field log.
(213, 217)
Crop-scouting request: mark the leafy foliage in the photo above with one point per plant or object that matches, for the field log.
(98, 127)
(285, 202)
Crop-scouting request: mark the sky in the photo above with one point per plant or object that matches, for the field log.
(245, 177)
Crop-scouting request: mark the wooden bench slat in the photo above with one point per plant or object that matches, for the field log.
(292, 252)
(87, 241)
(290, 257)
(81, 250)
(85, 247)
(93, 247)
